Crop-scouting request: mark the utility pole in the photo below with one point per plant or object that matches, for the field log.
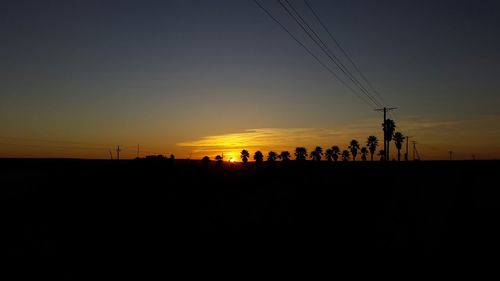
(118, 153)
(414, 142)
(407, 142)
(415, 151)
(385, 109)
(110, 154)
(451, 155)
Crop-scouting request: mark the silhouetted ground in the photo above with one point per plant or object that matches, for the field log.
(93, 208)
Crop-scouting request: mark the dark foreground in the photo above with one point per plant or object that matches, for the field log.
(91, 208)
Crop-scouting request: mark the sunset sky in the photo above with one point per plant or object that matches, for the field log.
(195, 78)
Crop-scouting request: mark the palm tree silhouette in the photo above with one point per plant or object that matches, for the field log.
(271, 156)
(372, 145)
(300, 153)
(336, 152)
(364, 151)
(345, 155)
(329, 154)
(218, 160)
(244, 156)
(381, 153)
(284, 156)
(398, 140)
(316, 153)
(258, 157)
(389, 127)
(354, 147)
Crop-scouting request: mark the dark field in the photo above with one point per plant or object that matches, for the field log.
(89, 208)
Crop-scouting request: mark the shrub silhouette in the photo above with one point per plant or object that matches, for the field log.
(381, 153)
(205, 160)
(364, 152)
(218, 160)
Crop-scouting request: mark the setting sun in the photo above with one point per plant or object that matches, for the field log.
(232, 160)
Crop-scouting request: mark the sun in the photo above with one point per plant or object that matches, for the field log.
(232, 160)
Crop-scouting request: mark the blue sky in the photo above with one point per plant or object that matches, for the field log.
(164, 73)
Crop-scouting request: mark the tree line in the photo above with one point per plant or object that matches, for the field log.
(334, 153)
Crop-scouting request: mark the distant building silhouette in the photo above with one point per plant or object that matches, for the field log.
(155, 157)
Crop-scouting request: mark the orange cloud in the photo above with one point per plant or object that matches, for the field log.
(266, 139)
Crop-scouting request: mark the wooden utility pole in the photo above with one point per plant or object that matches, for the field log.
(414, 143)
(407, 142)
(118, 153)
(386, 144)
(415, 151)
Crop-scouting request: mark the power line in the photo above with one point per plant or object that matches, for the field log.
(311, 53)
(384, 124)
(358, 70)
(328, 52)
(319, 42)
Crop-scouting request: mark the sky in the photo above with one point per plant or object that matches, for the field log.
(195, 78)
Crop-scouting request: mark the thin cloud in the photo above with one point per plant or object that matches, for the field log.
(432, 134)
(266, 139)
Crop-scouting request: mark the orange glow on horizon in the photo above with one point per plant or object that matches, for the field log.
(432, 136)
